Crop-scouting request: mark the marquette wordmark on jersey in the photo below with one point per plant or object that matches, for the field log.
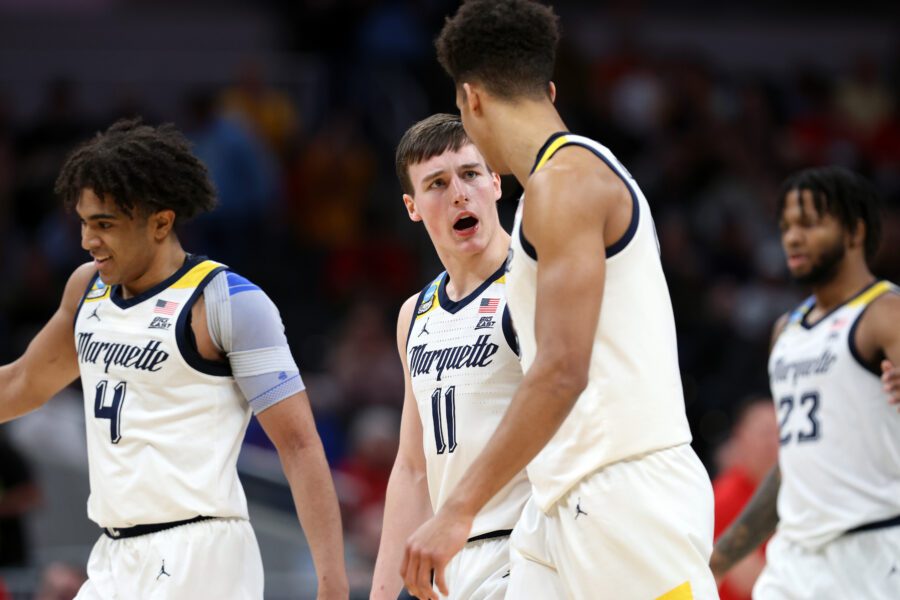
(454, 357)
(146, 358)
(803, 368)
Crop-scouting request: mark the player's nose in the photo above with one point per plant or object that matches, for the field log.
(458, 190)
(88, 240)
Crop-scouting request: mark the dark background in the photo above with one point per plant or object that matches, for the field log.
(296, 109)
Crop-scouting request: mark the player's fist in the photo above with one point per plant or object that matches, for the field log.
(890, 377)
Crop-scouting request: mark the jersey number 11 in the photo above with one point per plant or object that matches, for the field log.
(442, 445)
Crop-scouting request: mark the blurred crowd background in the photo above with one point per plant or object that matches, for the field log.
(296, 109)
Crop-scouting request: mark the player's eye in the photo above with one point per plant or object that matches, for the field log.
(437, 183)
(471, 174)
(104, 225)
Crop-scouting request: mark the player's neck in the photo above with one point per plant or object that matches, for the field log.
(466, 272)
(525, 127)
(168, 259)
(850, 279)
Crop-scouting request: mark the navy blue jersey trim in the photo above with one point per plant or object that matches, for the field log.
(454, 307)
(412, 320)
(526, 245)
(115, 294)
(807, 325)
(87, 290)
(854, 350)
(882, 524)
(629, 234)
(184, 334)
(509, 331)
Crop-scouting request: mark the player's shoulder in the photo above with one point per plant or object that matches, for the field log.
(577, 173)
(884, 306)
(77, 284)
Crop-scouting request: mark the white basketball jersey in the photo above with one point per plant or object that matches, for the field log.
(164, 426)
(633, 403)
(840, 438)
(464, 369)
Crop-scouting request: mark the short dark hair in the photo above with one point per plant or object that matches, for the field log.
(143, 169)
(429, 137)
(508, 46)
(843, 194)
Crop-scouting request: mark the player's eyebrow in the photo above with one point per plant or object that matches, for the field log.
(470, 166)
(99, 216)
(432, 175)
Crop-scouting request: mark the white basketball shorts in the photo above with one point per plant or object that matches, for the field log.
(638, 529)
(855, 565)
(213, 559)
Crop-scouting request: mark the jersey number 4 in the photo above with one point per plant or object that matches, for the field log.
(112, 411)
(809, 402)
(449, 405)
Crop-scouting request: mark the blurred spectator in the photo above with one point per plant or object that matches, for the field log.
(364, 360)
(328, 182)
(269, 112)
(745, 460)
(19, 494)
(245, 177)
(361, 478)
(60, 581)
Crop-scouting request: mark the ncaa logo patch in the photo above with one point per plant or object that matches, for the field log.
(430, 294)
(97, 291)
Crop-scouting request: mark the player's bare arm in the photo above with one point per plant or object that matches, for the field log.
(758, 519)
(290, 426)
(754, 526)
(566, 218)
(878, 337)
(49, 363)
(407, 504)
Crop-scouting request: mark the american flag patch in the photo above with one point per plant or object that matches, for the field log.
(489, 305)
(164, 307)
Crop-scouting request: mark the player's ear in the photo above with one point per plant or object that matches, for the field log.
(162, 223)
(495, 180)
(472, 97)
(410, 203)
(551, 91)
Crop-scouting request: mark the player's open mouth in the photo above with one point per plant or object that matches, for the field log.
(98, 261)
(466, 225)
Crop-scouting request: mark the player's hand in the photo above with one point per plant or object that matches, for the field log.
(429, 549)
(890, 377)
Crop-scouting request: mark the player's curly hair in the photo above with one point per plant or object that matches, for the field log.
(842, 193)
(429, 137)
(508, 46)
(144, 169)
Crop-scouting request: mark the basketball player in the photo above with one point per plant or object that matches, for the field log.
(621, 507)
(837, 482)
(174, 353)
(460, 360)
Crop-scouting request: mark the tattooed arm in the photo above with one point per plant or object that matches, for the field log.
(754, 525)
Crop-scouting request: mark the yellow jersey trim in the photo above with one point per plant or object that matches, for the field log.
(871, 294)
(195, 276)
(682, 592)
(551, 150)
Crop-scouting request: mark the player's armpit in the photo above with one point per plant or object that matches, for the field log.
(754, 525)
(50, 362)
